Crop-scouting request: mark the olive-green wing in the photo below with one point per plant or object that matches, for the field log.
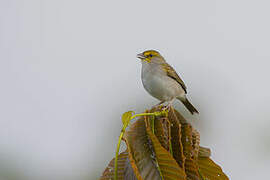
(171, 73)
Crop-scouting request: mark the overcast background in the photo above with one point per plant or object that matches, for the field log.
(68, 70)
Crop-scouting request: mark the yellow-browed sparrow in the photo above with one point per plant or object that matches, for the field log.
(161, 81)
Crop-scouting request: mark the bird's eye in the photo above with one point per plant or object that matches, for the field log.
(150, 55)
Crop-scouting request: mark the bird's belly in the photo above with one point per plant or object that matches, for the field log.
(162, 87)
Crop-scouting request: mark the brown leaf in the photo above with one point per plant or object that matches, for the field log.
(204, 152)
(177, 147)
(148, 155)
(141, 153)
(210, 170)
(162, 131)
(195, 142)
(191, 166)
(168, 166)
(124, 169)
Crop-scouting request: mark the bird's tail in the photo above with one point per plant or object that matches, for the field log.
(188, 105)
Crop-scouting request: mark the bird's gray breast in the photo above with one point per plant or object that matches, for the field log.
(158, 84)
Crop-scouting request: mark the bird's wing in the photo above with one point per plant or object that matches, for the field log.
(171, 73)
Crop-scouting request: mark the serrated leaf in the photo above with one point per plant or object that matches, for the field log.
(168, 166)
(176, 134)
(204, 152)
(210, 170)
(195, 142)
(191, 166)
(125, 170)
(163, 131)
(149, 154)
(141, 152)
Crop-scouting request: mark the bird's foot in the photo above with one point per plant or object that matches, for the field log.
(159, 105)
(169, 105)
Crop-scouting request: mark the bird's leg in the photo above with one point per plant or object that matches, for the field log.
(157, 105)
(169, 105)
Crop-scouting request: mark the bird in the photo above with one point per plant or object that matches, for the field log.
(161, 81)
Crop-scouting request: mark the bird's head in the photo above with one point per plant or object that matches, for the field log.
(150, 56)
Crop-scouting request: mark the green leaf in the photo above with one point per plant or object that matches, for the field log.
(126, 117)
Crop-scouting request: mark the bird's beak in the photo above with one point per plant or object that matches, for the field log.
(141, 56)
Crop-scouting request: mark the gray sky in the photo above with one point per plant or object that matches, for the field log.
(68, 70)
